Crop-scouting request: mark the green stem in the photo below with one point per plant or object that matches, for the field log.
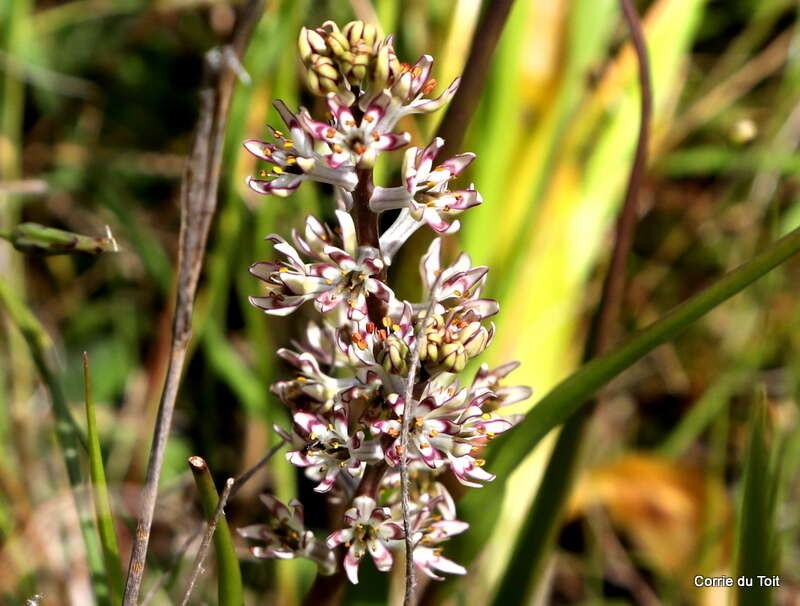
(229, 574)
(102, 503)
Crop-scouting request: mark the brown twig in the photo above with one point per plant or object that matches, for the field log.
(463, 105)
(197, 567)
(614, 285)
(198, 204)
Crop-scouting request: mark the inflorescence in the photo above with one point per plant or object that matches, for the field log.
(348, 396)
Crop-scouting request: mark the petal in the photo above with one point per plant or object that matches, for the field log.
(351, 565)
(391, 141)
(389, 198)
(277, 307)
(349, 238)
(380, 555)
(260, 149)
(338, 537)
(458, 163)
(281, 187)
(275, 507)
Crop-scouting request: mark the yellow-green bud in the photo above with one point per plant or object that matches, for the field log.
(394, 355)
(311, 42)
(337, 43)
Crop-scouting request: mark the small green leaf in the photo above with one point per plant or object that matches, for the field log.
(102, 503)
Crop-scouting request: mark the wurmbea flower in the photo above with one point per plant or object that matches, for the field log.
(426, 192)
(330, 449)
(341, 275)
(286, 535)
(354, 370)
(294, 160)
(369, 529)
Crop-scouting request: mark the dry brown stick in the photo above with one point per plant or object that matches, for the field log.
(198, 203)
(197, 567)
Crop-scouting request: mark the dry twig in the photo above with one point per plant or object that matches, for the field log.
(198, 204)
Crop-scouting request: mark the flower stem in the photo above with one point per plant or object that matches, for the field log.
(367, 232)
(366, 221)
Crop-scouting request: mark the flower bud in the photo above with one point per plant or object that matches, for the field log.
(309, 43)
(448, 344)
(394, 355)
(36, 239)
(337, 44)
(379, 77)
(354, 31)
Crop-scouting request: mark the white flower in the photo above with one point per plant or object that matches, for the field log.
(369, 528)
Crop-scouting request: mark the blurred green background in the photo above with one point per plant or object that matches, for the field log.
(97, 105)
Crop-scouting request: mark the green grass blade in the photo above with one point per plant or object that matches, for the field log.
(573, 393)
(534, 539)
(102, 503)
(482, 507)
(68, 435)
(229, 575)
(756, 528)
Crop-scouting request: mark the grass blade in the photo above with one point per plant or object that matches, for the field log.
(229, 575)
(482, 507)
(102, 504)
(68, 434)
(756, 528)
(573, 393)
(534, 539)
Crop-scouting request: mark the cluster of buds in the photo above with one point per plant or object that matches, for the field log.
(448, 342)
(338, 60)
(349, 401)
